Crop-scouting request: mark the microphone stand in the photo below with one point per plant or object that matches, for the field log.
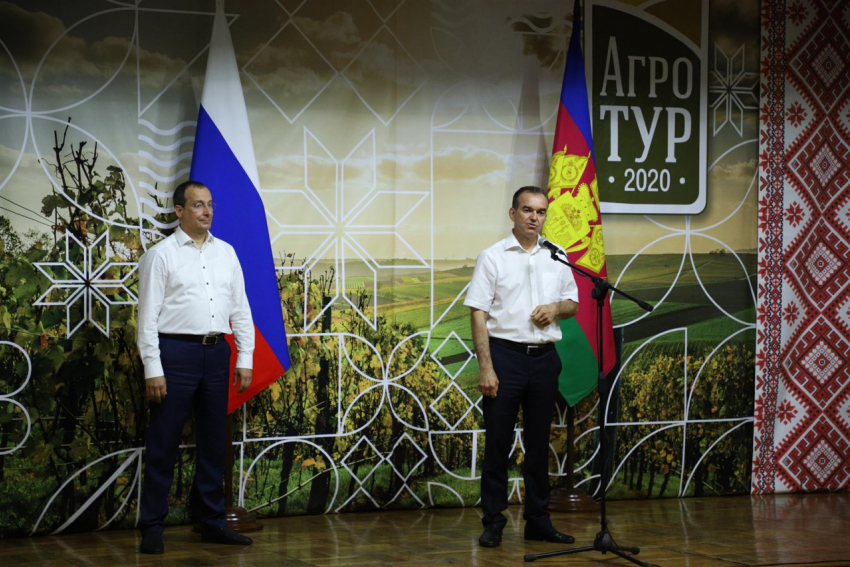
(603, 542)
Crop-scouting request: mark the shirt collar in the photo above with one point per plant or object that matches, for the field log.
(512, 242)
(183, 239)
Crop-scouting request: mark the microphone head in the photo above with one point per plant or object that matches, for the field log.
(547, 244)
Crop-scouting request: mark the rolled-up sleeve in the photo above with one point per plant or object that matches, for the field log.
(152, 281)
(569, 289)
(482, 289)
(241, 320)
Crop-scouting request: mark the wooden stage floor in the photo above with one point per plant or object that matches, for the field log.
(698, 532)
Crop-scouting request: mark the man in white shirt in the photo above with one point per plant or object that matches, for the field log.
(191, 291)
(517, 296)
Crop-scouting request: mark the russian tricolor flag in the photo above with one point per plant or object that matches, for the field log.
(224, 161)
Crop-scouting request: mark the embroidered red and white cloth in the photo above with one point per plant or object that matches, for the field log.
(802, 398)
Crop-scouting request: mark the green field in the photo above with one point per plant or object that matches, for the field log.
(716, 330)
(654, 270)
(419, 315)
(624, 311)
(407, 300)
(444, 287)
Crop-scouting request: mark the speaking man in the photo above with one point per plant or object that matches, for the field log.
(517, 296)
(191, 291)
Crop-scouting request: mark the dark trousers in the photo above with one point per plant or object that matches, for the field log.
(530, 382)
(196, 378)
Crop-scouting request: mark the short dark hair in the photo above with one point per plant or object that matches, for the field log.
(179, 197)
(527, 189)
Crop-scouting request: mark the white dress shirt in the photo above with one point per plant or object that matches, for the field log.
(188, 290)
(509, 282)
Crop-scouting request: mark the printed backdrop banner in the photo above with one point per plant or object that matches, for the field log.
(388, 139)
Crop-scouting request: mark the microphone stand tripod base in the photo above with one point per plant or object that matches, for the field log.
(603, 543)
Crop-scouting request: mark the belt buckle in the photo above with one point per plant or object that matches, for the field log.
(213, 340)
(529, 349)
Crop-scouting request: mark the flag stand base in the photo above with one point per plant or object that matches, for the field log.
(238, 519)
(571, 500)
(241, 520)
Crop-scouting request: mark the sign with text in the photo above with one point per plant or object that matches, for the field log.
(647, 76)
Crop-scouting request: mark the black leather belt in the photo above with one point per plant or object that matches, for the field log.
(206, 340)
(530, 349)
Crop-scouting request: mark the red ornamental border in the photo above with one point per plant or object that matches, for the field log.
(771, 201)
(815, 453)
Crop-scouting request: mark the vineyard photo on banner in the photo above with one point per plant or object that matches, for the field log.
(389, 137)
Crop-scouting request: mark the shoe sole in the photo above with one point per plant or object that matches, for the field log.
(152, 551)
(213, 540)
(571, 540)
(497, 544)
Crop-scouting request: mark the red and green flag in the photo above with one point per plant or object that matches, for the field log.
(574, 222)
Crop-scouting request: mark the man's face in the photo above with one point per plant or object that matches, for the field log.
(197, 215)
(530, 215)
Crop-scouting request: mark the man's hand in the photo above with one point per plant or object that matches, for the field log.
(488, 383)
(155, 389)
(244, 376)
(544, 315)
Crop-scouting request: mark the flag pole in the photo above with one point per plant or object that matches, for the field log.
(238, 518)
(223, 159)
(569, 498)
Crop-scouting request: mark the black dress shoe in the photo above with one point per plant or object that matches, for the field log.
(224, 535)
(152, 543)
(548, 533)
(491, 537)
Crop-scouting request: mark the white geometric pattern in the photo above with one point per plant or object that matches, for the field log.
(375, 460)
(455, 339)
(9, 398)
(354, 71)
(435, 405)
(386, 384)
(342, 232)
(733, 90)
(87, 284)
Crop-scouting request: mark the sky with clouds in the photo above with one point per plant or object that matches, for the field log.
(454, 100)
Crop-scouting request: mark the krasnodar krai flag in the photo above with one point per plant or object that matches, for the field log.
(223, 160)
(574, 223)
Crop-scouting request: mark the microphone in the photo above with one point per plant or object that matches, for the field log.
(550, 246)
